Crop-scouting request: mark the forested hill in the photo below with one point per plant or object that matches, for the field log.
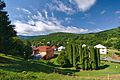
(108, 38)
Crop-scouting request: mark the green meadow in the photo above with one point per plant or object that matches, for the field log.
(16, 68)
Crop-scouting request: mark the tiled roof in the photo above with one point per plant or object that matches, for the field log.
(42, 48)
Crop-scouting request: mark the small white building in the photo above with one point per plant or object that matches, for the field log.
(61, 48)
(84, 45)
(102, 49)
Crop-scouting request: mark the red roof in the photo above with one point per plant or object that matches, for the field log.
(54, 47)
(42, 48)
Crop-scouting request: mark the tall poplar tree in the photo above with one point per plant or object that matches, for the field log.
(70, 53)
(74, 54)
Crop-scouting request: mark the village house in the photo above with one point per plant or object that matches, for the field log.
(102, 49)
(45, 52)
(61, 48)
(84, 45)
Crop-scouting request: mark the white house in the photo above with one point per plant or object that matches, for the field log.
(102, 49)
(84, 45)
(61, 48)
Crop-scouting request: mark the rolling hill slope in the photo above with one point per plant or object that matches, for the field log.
(107, 38)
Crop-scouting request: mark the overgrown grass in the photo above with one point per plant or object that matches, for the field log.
(16, 68)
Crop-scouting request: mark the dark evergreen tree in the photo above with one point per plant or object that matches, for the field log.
(70, 53)
(77, 56)
(63, 60)
(83, 58)
(80, 55)
(27, 49)
(95, 58)
(6, 29)
(98, 56)
(92, 58)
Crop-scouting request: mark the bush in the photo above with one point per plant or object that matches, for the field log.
(62, 59)
(117, 53)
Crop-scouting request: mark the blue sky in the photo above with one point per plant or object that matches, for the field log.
(39, 17)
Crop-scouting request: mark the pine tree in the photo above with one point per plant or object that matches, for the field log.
(6, 29)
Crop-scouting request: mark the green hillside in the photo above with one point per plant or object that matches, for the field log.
(107, 38)
(16, 68)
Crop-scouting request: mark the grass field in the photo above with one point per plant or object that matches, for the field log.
(16, 68)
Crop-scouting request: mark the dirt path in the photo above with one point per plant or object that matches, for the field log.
(116, 57)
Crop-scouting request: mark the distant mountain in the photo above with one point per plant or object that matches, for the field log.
(25, 37)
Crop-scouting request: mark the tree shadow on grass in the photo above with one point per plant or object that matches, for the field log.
(26, 66)
(33, 66)
(22, 65)
(5, 60)
(103, 67)
(52, 64)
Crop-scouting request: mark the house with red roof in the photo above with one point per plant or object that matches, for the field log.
(55, 47)
(46, 52)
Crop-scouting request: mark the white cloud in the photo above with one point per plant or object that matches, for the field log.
(91, 22)
(71, 1)
(103, 12)
(42, 26)
(52, 14)
(70, 8)
(117, 12)
(68, 19)
(119, 17)
(24, 10)
(46, 14)
(86, 15)
(38, 16)
(60, 6)
(95, 30)
(64, 8)
(84, 5)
